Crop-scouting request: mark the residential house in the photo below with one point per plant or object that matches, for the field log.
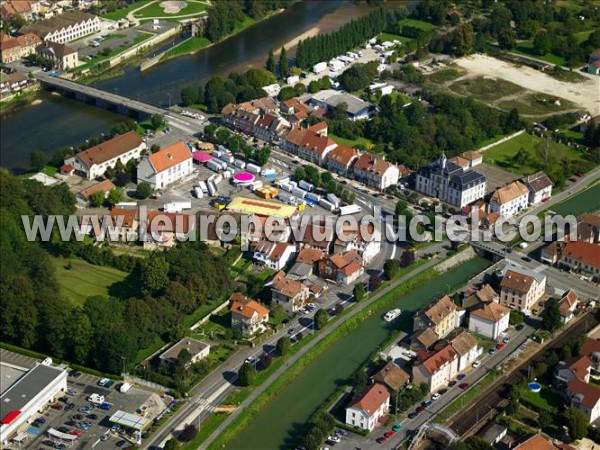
(392, 376)
(521, 288)
(441, 315)
(27, 9)
(486, 294)
(197, 349)
(273, 255)
(104, 186)
(290, 294)
(577, 367)
(510, 199)
(540, 187)
(363, 237)
(585, 397)
(14, 48)
(550, 254)
(123, 226)
(424, 339)
(435, 368)
(343, 268)
(340, 159)
(68, 26)
(450, 183)
(308, 144)
(317, 236)
(582, 257)
(465, 346)
(63, 56)
(13, 82)
(591, 348)
(247, 315)
(534, 442)
(166, 166)
(269, 127)
(474, 158)
(163, 229)
(94, 161)
(375, 171)
(356, 108)
(594, 62)
(592, 222)
(567, 305)
(294, 110)
(490, 321)
(367, 410)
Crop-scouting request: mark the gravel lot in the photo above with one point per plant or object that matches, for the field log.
(584, 94)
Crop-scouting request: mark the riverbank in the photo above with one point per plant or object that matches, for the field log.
(337, 356)
(23, 98)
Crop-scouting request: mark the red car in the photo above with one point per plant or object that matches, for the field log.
(382, 440)
(463, 385)
(500, 346)
(388, 434)
(420, 409)
(76, 432)
(57, 406)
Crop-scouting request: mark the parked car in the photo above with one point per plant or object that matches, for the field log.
(103, 382)
(492, 351)
(426, 403)
(519, 327)
(291, 331)
(506, 340)
(397, 427)
(500, 346)
(443, 391)
(461, 376)
(70, 406)
(57, 406)
(40, 420)
(92, 417)
(121, 443)
(63, 429)
(463, 385)
(388, 434)
(436, 396)
(382, 440)
(412, 415)
(452, 383)
(476, 364)
(76, 432)
(420, 408)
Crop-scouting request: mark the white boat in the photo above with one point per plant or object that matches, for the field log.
(391, 315)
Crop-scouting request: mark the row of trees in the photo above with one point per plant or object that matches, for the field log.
(351, 35)
(284, 64)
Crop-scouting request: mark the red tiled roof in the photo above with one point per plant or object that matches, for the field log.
(318, 127)
(309, 255)
(371, 163)
(248, 308)
(351, 268)
(517, 282)
(567, 302)
(372, 399)
(581, 367)
(309, 140)
(436, 360)
(342, 155)
(589, 347)
(104, 186)
(170, 156)
(587, 394)
(110, 149)
(584, 252)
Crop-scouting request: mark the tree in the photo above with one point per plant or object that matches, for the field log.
(38, 160)
(265, 361)
(154, 274)
(210, 130)
(189, 95)
(551, 319)
(246, 374)
(401, 207)
(262, 156)
(172, 444)
(154, 148)
(286, 93)
(577, 422)
(390, 269)
(283, 345)
(516, 317)
(462, 40)
(158, 121)
(507, 39)
(320, 319)
(270, 65)
(188, 433)
(360, 380)
(542, 42)
(115, 196)
(97, 199)
(284, 68)
(144, 189)
(339, 111)
(544, 419)
(359, 292)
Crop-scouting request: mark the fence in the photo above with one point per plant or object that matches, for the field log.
(504, 139)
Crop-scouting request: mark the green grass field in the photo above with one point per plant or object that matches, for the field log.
(418, 24)
(486, 90)
(445, 75)
(122, 13)
(187, 47)
(503, 155)
(545, 399)
(84, 280)
(362, 141)
(535, 103)
(154, 10)
(114, 51)
(526, 48)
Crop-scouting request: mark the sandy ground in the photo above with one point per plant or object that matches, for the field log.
(585, 94)
(309, 33)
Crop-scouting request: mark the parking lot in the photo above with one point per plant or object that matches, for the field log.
(71, 412)
(111, 40)
(496, 176)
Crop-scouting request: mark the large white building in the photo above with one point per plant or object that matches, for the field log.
(26, 396)
(510, 199)
(94, 161)
(375, 171)
(166, 166)
(450, 183)
(367, 409)
(65, 27)
(540, 187)
(490, 321)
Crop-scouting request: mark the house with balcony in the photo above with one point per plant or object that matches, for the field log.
(466, 347)
(392, 376)
(343, 268)
(247, 315)
(362, 237)
(273, 255)
(290, 294)
(436, 368)
(584, 397)
(366, 411)
(490, 320)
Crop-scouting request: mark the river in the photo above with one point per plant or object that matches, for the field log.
(281, 423)
(58, 122)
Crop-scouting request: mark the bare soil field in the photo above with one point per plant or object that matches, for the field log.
(585, 94)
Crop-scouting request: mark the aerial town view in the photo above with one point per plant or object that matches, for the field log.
(300, 224)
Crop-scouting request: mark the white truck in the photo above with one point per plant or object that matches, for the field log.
(198, 193)
(334, 200)
(253, 168)
(176, 207)
(350, 209)
(124, 387)
(212, 188)
(202, 185)
(96, 399)
(319, 67)
(327, 205)
(239, 164)
(306, 186)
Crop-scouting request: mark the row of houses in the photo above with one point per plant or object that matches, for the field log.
(66, 27)
(15, 48)
(280, 124)
(37, 9)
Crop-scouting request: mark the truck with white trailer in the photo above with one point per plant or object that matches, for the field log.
(350, 209)
(327, 205)
(334, 200)
(253, 168)
(176, 207)
(198, 193)
(202, 185)
(306, 186)
(239, 164)
(300, 193)
(212, 188)
(312, 198)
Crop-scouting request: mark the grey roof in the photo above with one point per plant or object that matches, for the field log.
(299, 271)
(27, 388)
(466, 179)
(333, 98)
(457, 177)
(194, 346)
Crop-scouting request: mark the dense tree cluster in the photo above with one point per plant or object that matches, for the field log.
(224, 16)
(103, 333)
(353, 34)
(358, 76)
(318, 429)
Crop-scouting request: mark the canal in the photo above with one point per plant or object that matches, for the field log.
(281, 423)
(585, 201)
(58, 122)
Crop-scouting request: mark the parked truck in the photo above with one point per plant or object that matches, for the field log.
(319, 67)
(215, 165)
(306, 186)
(312, 198)
(334, 200)
(239, 164)
(198, 193)
(286, 187)
(202, 185)
(327, 205)
(350, 209)
(253, 168)
(124, 387)
(176, 207)
(300, 193)
(212, 188)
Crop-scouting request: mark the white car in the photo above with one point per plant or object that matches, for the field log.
(334, 438)
(435, 396)
(103, 382)
(312, 305)
(476, 364)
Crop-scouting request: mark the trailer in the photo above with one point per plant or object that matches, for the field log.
(319, 67)
(336, 65)
(176, 207)
(227, 157)
(214, 165)
(292, 79)
(255, 185)
(312, 198)
(124, 387)
(212, 188)
(253, 168)
(222, 148)
(198, 192)
(281, 181)
(306, 186)
(239, 164)
(345, 59)
(126, 205)
(350, 209)
(286, 198)
(334, 200)
(268, 173)
(300, 193)
(327, 205)
(202, 185)
(286, 187)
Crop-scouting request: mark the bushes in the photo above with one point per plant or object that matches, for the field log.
(318, 430)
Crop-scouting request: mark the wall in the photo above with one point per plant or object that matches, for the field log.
(145, 45)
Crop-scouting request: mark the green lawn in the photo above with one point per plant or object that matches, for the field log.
(418, 24)
(187, 47)
(362, 141)
(526, 48)
(154, 10)
(122, 13)
(445, 75)
(503, 155)
(585, 201)
(84, 280)
(535, 103)
(486, 90)
(545, 399)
